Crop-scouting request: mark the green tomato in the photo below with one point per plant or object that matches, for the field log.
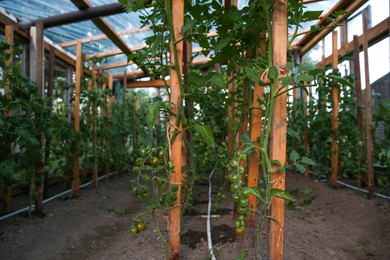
(245, 192)
(234, 187)
(236, 198)
(243, 202)
(134, 229)
(139, 161)
(233, 178)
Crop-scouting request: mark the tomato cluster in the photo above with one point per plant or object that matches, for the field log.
(138, 226)
(152, 168)
(239, 191)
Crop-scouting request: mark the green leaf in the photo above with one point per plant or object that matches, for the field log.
(251, 73)
(245, 139)
(311, 15)
(306, 67)
(205, 132)
(282, 194)
(294, 156)
(300, 167)
(304, 78)
(340, 80)
(257, 192)
(273, 73)
(151, 205)
(152, 113)
(293, 134)
(307, 160)
(238, 26)
(221, 44)
(218, 80)
(341, 12)
(286, 81)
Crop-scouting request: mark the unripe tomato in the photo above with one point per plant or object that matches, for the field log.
(243, 202)
(134, 229)
(239, 231)
(154, 161)
(141, 226)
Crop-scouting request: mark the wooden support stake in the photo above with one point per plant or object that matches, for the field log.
(37, 56)
(335, 116)
(95, 180)
(76, 119)
(109, 115)
(7, 189)
(370, 159)
(358, 84)
(278, 130)
(175, 128)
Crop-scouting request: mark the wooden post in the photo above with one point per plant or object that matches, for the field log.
(37, 61)
(37, 56)
(231, 88)
(254, 160)
(109, 115)
(358, 84)
(335, 116)
(7, 188)
(370, 159)
(123, 139)
(76, 119)
(175, 127)
(95, 180)
(278, 130)
(50, 86)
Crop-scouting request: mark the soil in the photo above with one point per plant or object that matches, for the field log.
(323, 223)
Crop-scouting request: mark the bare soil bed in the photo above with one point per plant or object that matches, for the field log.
(322, 224)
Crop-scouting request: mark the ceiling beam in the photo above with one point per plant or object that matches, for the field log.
(103, 36)
(312, 38)
(78, 16)
(114, 52)
(156, 83)
(106, 29)
(374, 35)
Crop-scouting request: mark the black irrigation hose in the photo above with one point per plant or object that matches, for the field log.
(49, 199)
(353, 187)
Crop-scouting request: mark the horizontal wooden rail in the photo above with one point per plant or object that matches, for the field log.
(374, 35)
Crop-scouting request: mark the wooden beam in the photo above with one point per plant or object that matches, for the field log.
(370, 158)
(278, 130)
(358, 85)
(255, 133)
(157, 83)
(50, 73)
(76, 120)
(23, 33)
(335, 116)
(374, 35)
(9, 38)
(106, 29)
(103, 36)
(37, 56)
(78, 16)
(175, 127)
(140, 47)
(312, 38)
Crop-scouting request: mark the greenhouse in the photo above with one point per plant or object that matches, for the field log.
(203, 129)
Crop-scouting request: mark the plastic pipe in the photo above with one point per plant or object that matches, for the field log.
(49, 199)
(353, 187)
(209, 240)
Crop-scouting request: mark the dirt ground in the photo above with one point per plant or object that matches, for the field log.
(322, 224)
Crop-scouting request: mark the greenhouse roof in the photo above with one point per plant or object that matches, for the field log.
(128, 36)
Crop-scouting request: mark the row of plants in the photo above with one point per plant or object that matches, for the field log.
(37, 132)
(241, 58)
